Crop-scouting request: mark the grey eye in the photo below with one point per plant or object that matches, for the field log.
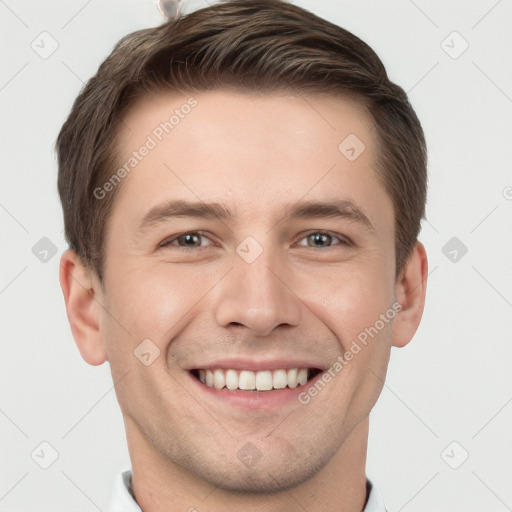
(189, 240)
(319, 240)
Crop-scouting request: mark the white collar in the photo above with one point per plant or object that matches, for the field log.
(123, 501)
(375, 502)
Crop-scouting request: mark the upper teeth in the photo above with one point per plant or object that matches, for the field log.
(247, 380)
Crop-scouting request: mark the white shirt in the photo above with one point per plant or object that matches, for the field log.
(123, 501)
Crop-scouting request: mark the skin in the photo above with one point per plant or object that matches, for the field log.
(258, 156)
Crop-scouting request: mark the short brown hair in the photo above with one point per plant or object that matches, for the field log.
(264, 45)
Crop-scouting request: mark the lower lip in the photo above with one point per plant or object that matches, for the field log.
(260, 400)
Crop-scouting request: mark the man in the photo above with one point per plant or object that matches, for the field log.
(243, 190)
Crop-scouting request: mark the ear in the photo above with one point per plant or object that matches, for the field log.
(81, 287)
(410, 290)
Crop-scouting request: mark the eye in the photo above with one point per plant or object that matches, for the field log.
(320, 239)
(192, 240)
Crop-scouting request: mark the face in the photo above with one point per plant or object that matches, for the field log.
(243, 247)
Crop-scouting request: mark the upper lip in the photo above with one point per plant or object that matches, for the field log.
(254, 365)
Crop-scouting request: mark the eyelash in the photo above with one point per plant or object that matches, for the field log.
(343, 241)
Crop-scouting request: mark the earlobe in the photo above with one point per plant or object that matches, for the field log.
(79, 292)
(410, 290)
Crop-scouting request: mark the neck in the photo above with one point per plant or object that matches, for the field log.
(161, 485)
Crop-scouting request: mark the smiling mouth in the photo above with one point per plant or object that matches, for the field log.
(247, 380)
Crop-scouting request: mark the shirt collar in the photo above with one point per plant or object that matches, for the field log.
(375, 502)
(123, 500)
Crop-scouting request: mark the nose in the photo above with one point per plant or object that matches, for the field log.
(256, 295)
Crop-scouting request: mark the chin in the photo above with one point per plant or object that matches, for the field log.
(264, 480)
(265, 476)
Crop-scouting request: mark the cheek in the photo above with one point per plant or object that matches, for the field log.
(351, 302)
(154, 301)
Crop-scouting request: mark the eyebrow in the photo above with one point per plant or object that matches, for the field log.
(180, 208)
(342, 208)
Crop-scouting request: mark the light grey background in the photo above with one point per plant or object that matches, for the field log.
(448, 393)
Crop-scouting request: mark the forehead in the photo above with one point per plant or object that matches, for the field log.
(317, 122)
(252, 150)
